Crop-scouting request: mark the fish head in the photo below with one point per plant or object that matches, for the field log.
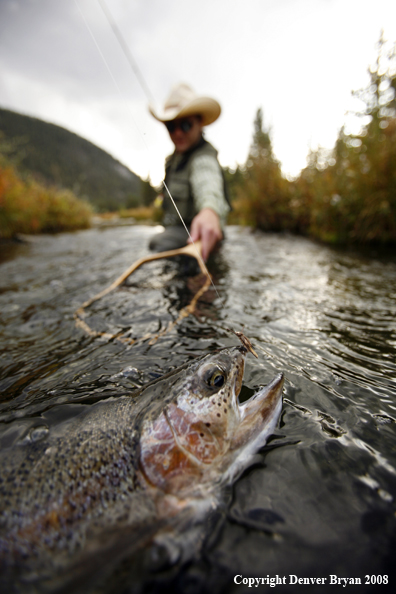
(203, 435)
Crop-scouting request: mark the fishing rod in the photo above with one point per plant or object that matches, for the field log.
(139, 75)
(127, 52)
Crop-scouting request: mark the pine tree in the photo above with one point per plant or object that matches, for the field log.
(261, 146)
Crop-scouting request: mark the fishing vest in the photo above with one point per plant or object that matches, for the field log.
(177, 179)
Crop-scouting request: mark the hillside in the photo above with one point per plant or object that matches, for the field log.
(55, 155)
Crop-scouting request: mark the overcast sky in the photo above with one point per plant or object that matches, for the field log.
(297, 59)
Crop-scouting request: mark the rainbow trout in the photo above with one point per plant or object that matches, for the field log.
(129, 471)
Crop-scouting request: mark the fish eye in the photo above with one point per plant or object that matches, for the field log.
(216, 378)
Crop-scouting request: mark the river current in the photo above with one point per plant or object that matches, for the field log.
(321, 499)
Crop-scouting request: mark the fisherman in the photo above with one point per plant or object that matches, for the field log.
(192, 174)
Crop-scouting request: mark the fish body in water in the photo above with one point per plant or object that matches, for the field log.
(129, 470)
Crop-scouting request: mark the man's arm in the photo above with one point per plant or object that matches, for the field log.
(208, 190)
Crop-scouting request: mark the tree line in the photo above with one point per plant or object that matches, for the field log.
(56, 156)
(343, 195)
(28, 206)
(346, 195)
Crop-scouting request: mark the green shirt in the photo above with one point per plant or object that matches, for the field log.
(195, 181)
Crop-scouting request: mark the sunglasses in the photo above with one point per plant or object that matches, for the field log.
(183, 125)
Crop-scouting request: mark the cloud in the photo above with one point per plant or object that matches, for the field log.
(297, 59)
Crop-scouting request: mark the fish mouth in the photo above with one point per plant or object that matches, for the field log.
(270, 393)
(258, 416)
(265, 401)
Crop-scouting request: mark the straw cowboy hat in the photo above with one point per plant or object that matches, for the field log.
(183, 102)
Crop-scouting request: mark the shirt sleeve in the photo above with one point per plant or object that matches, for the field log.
(208, 186)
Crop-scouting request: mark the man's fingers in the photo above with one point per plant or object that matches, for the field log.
(206, 227)
(209, 239)
(194, 231)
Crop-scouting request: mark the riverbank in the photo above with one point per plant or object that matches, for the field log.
(29, 207)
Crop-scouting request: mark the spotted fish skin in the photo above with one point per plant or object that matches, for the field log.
(128, 468)
(52, 490)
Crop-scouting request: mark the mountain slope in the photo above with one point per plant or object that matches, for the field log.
(57, 156)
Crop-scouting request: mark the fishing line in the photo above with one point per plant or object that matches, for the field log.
(133, 64)
(109, 70)
(136, 70)
(199, 255)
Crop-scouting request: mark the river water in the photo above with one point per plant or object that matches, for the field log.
(321, 499)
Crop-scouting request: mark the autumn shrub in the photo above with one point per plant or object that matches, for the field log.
(352, 191)
(27, 206)
(263, 199)
(141, 213)
(262, 193)
(347, 195)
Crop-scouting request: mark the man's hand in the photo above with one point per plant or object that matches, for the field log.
(206, 227)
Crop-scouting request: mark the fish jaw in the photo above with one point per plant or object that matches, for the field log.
(258, 418)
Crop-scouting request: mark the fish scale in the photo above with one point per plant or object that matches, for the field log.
(69, 481)
(129, 470)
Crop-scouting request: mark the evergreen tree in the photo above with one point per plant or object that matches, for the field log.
(263, 197)
(261, 146)
(353, 196)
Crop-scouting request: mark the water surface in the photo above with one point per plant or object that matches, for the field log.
(321, 498)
